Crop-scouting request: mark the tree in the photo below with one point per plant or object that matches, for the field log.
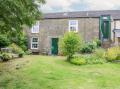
(16, 13)
(70, 44)
(4, 41)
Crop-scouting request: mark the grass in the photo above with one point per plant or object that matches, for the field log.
(51, 72)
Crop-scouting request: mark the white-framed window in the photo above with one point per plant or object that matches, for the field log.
(35, 28)
(73, 25)
(34, 42)
(117, 24)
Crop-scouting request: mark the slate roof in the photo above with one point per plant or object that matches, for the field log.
(83, 14)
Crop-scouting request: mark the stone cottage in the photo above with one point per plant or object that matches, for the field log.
(45, 34)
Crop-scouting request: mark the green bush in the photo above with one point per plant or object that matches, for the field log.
(70, 44)
(20, 40)
(79, 61)
(87, 59)
(113, 54)
(21, 54)
(4, 41)
(98, 42)
(16, 49)
(28, 52)
(92, 59)
(88, 47)
(5, 57)
(100, 53)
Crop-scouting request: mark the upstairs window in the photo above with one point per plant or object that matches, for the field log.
(73, 25)
(35, 28)
(34, 43)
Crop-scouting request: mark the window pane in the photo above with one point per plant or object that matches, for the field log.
(35, 40)
(73, 25)
(73, 22)
(72, 28)
(35, 28)
(34, 45)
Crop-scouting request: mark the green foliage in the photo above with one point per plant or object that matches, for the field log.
(70, 44)
(89, 59)
(28, 52)
(21, 54)
(113, 53)
(16, 49)
(79, 60)
(98, 42)
(20, 40)
(100, 53)
(88, 47)
(93, 59)
(16, 13)
(4, 41)
(6, 57)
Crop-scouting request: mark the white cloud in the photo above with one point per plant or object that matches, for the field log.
(102, 5)
(65, 5)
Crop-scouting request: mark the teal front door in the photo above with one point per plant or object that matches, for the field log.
(105, 29)
(54, 48)
(105, 26)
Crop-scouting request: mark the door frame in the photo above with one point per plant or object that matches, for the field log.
(57, 40)
(102, 19)
(50, 43)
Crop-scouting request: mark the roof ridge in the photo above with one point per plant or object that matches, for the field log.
(80, 11)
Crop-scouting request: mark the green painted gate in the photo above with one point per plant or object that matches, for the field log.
(105, 27)
(54, 48)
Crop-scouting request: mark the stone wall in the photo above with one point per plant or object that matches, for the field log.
(88, 28)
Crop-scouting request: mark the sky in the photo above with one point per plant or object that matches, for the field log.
(79, 5)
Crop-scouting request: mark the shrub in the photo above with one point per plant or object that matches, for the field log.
(98, 42)
(15, 48)
(79, 60)
(100, 53)
(28, 52)
(87, 59)
(4, 41)
(92, 59)
(20, 40)
(88, 47)
(113, 53)
(21, 54)
(70, 44)
(5, 57)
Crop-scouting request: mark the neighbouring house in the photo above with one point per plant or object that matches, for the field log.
(45, 34)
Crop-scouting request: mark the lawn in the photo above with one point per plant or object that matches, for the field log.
(52, 72)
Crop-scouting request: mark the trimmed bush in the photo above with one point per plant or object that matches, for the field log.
(113, 54)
